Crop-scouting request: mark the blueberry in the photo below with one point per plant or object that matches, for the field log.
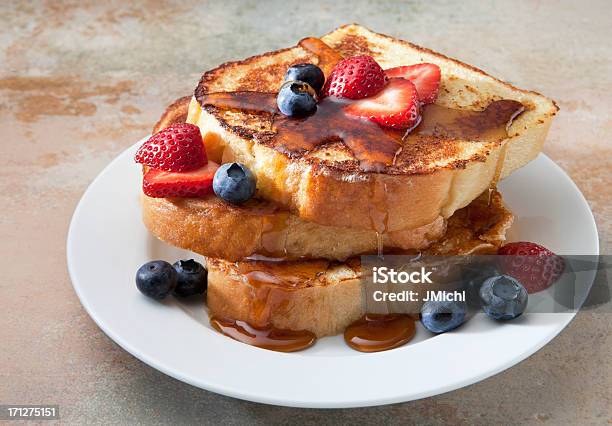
(234, 183)
(191, 278)
(503, 297)
(473, 275)
(441, 316)
(308, 73)
(296, 99)
(156, 279)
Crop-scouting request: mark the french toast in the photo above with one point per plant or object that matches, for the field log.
(428, 179)
(324, 297)
(202, 225)
(309, 172)
(212, 228)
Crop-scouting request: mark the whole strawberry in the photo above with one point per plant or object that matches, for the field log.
(177, 148)
(536, 267)
(355, 78)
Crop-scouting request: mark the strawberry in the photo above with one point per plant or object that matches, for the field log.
(426, 78)
(177, 148)
(355, 78)
(397, 106)
(196, 183)
(536, 267)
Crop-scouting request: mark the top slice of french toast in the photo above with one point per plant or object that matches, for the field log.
(430, 177)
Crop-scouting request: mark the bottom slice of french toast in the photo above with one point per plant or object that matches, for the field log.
(325, 297)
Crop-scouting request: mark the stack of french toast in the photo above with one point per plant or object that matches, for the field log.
(331, 188)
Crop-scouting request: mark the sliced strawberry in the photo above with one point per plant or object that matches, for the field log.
(178, 148)
(196, 183)
(533, 265)
(355, 78)
(397, 106)
(426, 78)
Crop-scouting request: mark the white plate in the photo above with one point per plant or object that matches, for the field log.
(107, 242)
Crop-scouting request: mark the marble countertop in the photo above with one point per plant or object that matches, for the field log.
(80, 83)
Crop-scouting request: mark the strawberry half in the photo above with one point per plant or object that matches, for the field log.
(196, 183)
(177, 148)
(533, 265)
(355, 78)
(426, 78)
(397, 106)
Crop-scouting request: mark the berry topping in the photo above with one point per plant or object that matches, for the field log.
(536, 267)
(355, 78)
(503, 297)
(296, 99)
(156, 279)
(191, 278)
(234, 183)
(196, 183)
(177, 148)
(426, 78)
(397, 106)
(442, 316)
(308, 73)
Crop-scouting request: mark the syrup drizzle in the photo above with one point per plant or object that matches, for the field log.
(488, 125)
(374, 332)
(271, 338)
(271, 284)
(273, 240)
(497, 174)
(373, 146)
(290, 275)
(328, 57)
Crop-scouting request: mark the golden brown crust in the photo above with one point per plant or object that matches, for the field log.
(210, 227)
(442, 56)
(176, 112)
(324, 309)
(479, 228)
(325, 297)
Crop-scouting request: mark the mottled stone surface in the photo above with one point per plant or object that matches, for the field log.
(80, 83)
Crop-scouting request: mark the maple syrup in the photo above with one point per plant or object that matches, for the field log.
(264, 337)
(290, 275)
(378, 212)
(273, 238)
(375, 332)
(372, 145)
(328, 57)
(488, 125)
(272, 282)
(499, 165)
